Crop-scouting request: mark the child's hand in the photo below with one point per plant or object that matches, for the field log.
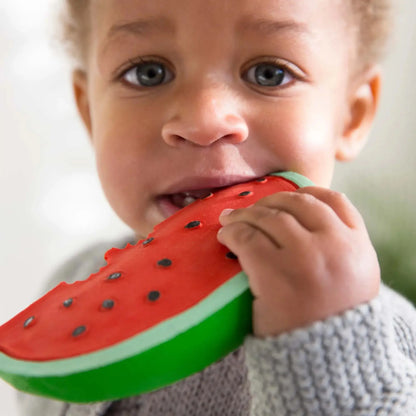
(307, 255)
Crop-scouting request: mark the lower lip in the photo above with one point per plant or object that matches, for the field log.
(166, 206)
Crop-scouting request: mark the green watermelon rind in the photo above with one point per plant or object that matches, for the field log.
(294, 177)
(172, 350)
(162, 352)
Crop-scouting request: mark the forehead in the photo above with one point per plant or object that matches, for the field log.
(110, 17)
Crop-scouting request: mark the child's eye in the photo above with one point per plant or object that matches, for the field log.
(148, 74)
(267, 74)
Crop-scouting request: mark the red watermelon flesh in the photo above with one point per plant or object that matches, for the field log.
(178, 265)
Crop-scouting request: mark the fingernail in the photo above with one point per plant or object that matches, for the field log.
(226, 211)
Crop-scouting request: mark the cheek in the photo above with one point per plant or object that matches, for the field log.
(123, 143)
(119, 158)
(117, 179)
(302, 138)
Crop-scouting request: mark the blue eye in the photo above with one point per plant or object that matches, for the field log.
(268, 75)
(148, 74)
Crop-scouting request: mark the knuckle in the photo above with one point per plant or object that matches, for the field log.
(287, 198)
(303, 197)
(276, 199)
(337, 197)
(261, 212)
(283, 217)
(243, 233)
(254, 214)
(269, 200)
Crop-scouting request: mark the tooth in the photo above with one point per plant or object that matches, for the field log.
(188, 200)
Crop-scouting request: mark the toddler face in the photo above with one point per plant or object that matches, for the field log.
(186, 96)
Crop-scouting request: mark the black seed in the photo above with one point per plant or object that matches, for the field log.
(193, 224)
(108, 304)
(208, 196)
(68, 302)
(245, 193)
(28, 321)
(148, 241)
(231, 255)
(153, 295)
(114, 276)
(261, 180)
(79, 330)
(164, 262)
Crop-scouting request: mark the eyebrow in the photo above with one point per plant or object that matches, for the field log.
(270, 27)
(145, 26)
(142, 27)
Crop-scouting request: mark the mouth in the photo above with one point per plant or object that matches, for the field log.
(183, 199)
(171, 203)
(186, 194)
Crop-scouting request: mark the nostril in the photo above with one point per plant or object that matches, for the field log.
(172, 139)
(233, 138)
(206, 132)
(177, 138)
(239, 133)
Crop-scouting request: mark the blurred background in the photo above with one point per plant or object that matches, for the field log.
(51, 202)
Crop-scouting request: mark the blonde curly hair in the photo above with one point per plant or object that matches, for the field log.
(371, 24)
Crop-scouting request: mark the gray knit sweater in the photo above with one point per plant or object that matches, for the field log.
(360, 363)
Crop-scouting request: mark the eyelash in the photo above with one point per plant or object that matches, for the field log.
(134, 63)
(289, 69)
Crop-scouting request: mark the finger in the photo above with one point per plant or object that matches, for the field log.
(257, 254)
(339, 203)
(312, 213)
(279, 226)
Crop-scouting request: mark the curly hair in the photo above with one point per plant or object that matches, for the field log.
(74, 29)
(371, 24)
(373, 21)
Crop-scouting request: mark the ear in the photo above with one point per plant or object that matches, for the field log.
(361, 110)
(80, 88)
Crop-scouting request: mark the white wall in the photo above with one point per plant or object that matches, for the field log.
(51, 202)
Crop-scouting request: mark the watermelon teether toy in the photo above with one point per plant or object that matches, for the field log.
(159, 311)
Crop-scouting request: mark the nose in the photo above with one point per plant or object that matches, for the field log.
(203, 116)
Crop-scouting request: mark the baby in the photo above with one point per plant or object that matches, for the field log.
(180, 97)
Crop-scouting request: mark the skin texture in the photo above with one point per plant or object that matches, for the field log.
(307, 254)
(210, 123)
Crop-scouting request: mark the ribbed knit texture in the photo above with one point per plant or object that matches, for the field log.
(346, 365)
(220, 389)
(360, 363)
